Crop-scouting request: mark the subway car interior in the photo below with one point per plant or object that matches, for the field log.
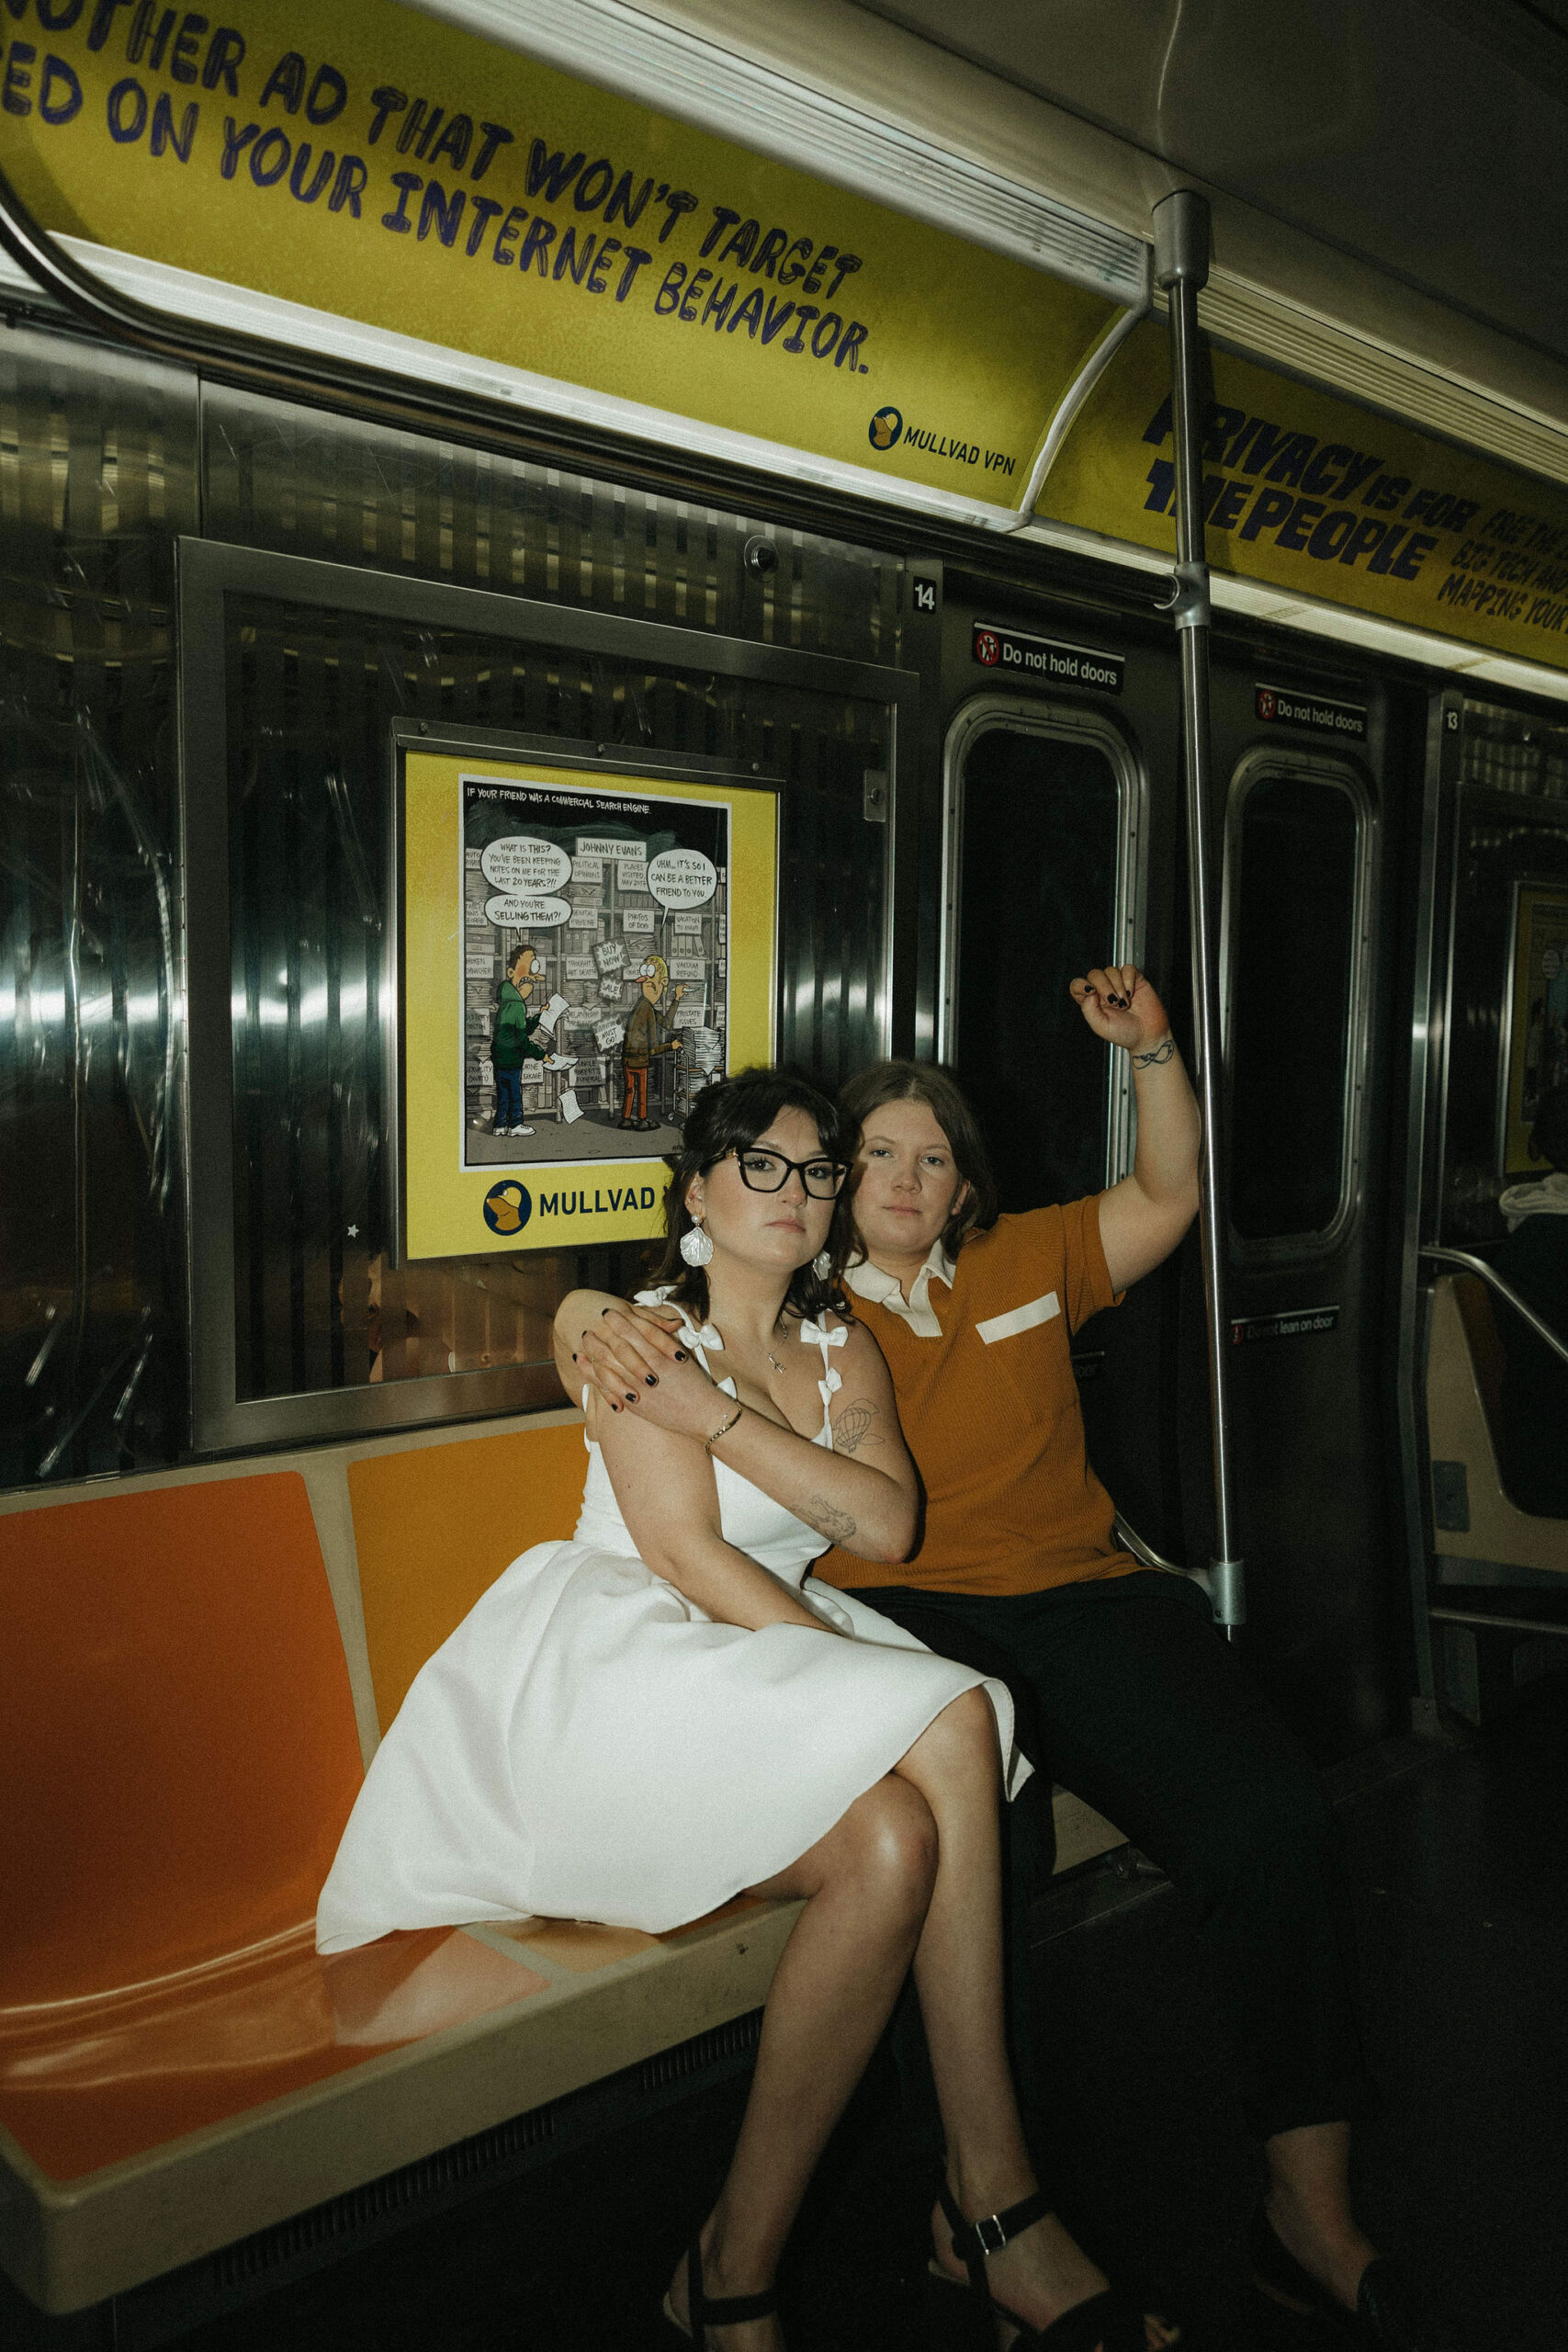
(787, 532)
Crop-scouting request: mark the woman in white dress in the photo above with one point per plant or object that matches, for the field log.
(640, 1724)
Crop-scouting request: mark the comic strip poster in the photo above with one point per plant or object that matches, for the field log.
(582, 956)
(1538, 1042)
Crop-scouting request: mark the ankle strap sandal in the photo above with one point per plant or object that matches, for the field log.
(715, 2310)
(1388, 2313)
(1108, 2322)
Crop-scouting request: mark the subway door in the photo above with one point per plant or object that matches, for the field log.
(1307, 949)
(1058, 854)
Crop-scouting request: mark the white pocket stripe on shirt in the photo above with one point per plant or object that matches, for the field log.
(1021, 1318)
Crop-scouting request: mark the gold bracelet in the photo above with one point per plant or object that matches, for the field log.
(723, 1428)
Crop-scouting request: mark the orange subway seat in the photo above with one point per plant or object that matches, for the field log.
(178, 1748)
(96, 2082)
(435, 1526)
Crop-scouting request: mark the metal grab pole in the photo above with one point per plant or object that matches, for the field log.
(1182, 267)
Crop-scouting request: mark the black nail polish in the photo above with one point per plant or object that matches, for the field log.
(631, 1396)
(679, 1355)
(652, 1379)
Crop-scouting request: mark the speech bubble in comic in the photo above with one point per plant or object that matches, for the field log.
(682, 877)
(526, 915)
(522, 867)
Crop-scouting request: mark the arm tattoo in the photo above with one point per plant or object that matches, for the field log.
(836, 1525)
(853, 1425)
(1160, 1053)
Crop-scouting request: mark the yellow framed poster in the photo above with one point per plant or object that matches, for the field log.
(1537, 1028)
(582, 951)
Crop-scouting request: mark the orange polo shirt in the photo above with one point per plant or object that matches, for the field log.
(981, 1366)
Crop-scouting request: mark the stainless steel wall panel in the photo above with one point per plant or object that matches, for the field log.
(98, 478)
(106, 463)
(295, 673)
(304, 483)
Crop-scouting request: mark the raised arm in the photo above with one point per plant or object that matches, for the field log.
(1144, 1216)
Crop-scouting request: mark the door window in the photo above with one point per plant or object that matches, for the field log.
(1040, 833)
(1294, 936)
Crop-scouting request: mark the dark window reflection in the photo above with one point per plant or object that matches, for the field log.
(1292, 941)
(1038, 908)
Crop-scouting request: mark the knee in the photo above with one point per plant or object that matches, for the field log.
(893, 1844)
(964, 1737)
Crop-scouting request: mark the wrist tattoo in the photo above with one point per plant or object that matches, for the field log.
(1163, 1052)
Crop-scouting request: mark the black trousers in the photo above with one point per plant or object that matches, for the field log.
(1129, 1696)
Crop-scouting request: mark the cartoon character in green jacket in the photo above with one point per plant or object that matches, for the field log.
(513, 1043)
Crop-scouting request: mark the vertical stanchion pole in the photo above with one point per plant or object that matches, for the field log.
(1182, 267)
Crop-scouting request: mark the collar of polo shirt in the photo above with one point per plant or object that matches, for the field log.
(869, 1281)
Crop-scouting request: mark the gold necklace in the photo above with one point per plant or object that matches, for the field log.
(772, 1359)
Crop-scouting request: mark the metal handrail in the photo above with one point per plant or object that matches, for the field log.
(1181, 267)
(1144, 1554)
(1504, 1290)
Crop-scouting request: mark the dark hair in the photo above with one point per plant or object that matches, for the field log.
(929, 1083)
(1549, 1136)
(727, 1116)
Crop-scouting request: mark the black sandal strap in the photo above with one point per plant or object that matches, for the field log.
(1112, 2320)
(990, 2231)
(1109, 2322)
(721, 2311)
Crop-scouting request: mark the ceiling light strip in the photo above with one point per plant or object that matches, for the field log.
(663, 67)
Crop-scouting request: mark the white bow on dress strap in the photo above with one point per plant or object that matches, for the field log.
(818, 1335)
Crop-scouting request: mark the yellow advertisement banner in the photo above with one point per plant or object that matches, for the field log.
(1318, 497)
(371, 162)
(582, 953)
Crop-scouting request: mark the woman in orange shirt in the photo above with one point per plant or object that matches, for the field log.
(1141, 1708)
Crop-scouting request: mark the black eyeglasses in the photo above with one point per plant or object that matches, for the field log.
(769, 1171)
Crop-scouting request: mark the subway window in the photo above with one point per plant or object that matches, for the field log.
(1294, 915)
(1039, 825)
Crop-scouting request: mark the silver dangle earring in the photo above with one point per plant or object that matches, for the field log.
(822, 1264)
(695, 1247)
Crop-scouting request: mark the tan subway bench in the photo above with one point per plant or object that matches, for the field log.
(198, 1666)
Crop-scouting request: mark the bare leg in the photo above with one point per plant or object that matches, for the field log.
(958, 1973)
(867, 1884)
(1309, 2205)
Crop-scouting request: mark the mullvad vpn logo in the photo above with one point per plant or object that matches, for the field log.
(508, 1206)
(884, 428)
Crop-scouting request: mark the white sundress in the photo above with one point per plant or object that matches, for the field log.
(590, 1745)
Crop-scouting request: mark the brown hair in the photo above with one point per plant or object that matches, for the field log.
(931, 1084)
